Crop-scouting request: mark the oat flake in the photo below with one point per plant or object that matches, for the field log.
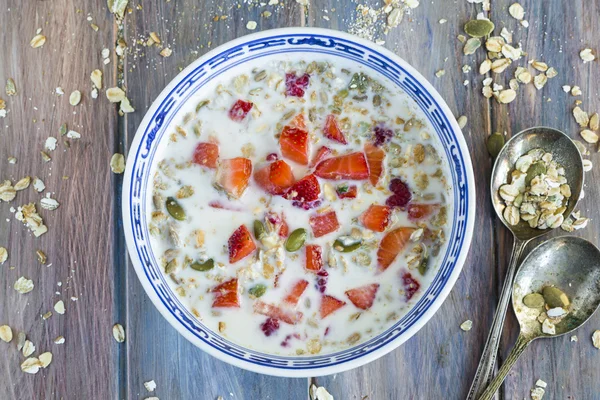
(59, 307)
(6, 333)
(31, 365)
(73, 135)
(587, 55)
(23, 285)
(596, 339)
(3, 255)
(251, 25)
(516, 11)
(45, 359)
(118, 333)
(96, 77)
(150, 385)
(117, 163)
(467, 325)
(28, 348)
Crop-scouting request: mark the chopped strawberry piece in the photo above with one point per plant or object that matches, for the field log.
(288, 316)
(275, 178)
(226, 294)
(233, 176)
(240, 244)
(419, 211)
(363, 297)
(296, 85)
(402, 194)
(375, 158)
(332, 130)
(350, 166)
(206, 154)
(320, 156)
(306, 190)
(330, 304)
(298, 122)
(376, 217)
(284, 229)
(224, 206)
(346, 192)
(391, 245)
(293, 295)
(239, 110)
(314, 257)
(294, 144)
(324, 223)
(270, 326)
(411, 285)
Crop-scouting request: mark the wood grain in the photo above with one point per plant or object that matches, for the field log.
(79, 241)
(86, 247)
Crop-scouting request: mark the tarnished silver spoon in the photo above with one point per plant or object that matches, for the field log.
(569, 263)
(566, 154)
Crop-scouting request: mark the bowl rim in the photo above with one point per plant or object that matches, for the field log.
(369, 356)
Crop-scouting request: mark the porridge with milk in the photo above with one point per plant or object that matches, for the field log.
(299, 208)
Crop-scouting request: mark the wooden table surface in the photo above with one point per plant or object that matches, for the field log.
(85, 244)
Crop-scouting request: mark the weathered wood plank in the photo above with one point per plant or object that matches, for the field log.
(428, 365)
(556, 34)
(79, 241)
(155, 350)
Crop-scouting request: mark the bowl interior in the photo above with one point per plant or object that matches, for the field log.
(301, 43)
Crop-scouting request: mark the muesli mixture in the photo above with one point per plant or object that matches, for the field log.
(299, 208)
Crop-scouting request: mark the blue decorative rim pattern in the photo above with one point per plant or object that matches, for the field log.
(204, 70)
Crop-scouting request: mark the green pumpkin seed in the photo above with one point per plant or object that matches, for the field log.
(359, 81)
(536, 169)
(171, 266)
(471, 46)
(479, 27)
(257, 291)
(259, 230)
(534, 300)
(202, 104)
(495, 143)
(175, 209)
(424, 266)
(346, 248)
(555, 297)
(377, 100)
(63, 129)
(295, 240)
(203, 266)
(343, 93)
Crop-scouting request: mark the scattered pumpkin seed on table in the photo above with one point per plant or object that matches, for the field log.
(479, 27)
(495, 143)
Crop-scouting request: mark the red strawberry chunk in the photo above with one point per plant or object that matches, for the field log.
(275, 178)
(376, 217)
(375, 158)
(332, 130)
(324, 223)
(391, 245)
(239, 110)
(411, 285)
(294, 144)
(233, 176)
(298, 122)
(305, 190)
(294, 294)
(314, 257)
(419, 211)
(226, 294)
(320, 156)
(402, 194)
(206, 154)
(364, 296)
(350, 166)
(240, 244)
(288, 316)
(346, 192)
(330, 304)
(296, 85)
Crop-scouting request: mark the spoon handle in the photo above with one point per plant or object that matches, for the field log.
(485, 369)
(515, 353)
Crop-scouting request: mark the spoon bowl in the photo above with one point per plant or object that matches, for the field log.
(571, 264)
(563, 151)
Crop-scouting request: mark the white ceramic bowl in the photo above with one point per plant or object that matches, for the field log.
(307, 42)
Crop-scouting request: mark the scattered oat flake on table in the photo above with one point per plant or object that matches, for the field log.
(37, 41)
(467, 325)
(59, 340)
(3, 255)
(125, 106)
(31, 365)
(11, 88)
(596, 339)
(38, 185)
(166, 52)
(115, 94)
(28, 348)
(7, 191)
(506, 96)
(96, 77)
(6, 333)
(73, 135)
(516, 11)
(587, 55)
(23, 285)
(576, 91)
(440, 73)
(118, 333)
(251, 25)
(117, 7)
(319, 393)
(537, 393)
(49, 203)
(59, 307)
(150, 385)
(574, 338)
(589, 136)
(117, 163)
(45, 359)
(75, 97)
(541, 383)
(462, 121)
(29, 216)
(50, 144)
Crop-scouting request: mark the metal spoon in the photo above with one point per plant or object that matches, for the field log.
(566, 154)
(569, 263)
